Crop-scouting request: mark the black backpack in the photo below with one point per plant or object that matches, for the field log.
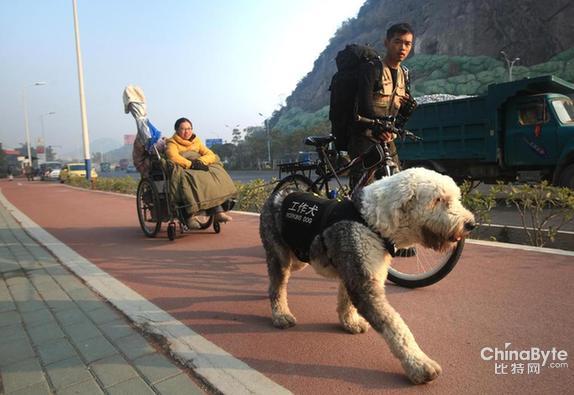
(343, 105)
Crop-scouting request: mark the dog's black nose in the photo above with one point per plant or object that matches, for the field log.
(468, 226)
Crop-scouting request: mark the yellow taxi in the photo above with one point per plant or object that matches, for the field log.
(75, 170)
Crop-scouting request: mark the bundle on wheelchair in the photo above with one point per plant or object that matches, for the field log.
(155, 198)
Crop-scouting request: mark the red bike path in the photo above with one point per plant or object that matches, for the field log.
(217, 285)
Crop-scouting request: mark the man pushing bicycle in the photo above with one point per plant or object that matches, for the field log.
(382, 90)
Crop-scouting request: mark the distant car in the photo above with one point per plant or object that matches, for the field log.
(105, 167)
(131, 169)
(75, 170)
(124, 163)
(46, 168)
(53, 175)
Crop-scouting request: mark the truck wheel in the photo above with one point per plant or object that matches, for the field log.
(566, 178)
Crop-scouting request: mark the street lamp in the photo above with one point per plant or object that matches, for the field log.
(26, 127)
(43, 132)
(82, 96)
(266, 122)
(509, 64)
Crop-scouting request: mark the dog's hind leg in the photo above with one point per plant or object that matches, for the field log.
(279, 272)
(367, 294)
(348, 316)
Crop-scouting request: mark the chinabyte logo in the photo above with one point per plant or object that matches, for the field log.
(526, 361)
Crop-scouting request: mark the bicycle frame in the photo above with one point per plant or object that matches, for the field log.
(326, 171)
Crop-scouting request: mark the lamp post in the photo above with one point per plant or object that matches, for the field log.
(43, 132)
(266, 123)
(82, 96)
(26, 126)
(509, 64)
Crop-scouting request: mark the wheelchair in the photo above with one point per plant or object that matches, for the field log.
(155, 205)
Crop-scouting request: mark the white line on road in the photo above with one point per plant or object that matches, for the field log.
(522, 247)
(566, 232)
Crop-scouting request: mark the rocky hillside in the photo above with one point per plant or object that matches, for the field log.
(533, 30)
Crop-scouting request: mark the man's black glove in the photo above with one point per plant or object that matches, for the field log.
(199, 165)
(408, 106)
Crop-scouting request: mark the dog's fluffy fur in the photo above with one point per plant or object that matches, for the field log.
(413, 206)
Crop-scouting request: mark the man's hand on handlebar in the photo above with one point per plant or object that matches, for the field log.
(384, 136)
(381, 129)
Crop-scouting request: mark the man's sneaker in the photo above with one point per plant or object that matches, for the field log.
(222, 217)
(193, 224)
(406, 252)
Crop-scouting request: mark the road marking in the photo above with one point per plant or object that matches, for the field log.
(222, 370)
(522, 247)
(566, 232)
(246, 213)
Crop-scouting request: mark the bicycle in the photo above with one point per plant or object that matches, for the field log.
(415, 268)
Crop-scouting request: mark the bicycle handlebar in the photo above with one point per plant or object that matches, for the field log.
(385, 124)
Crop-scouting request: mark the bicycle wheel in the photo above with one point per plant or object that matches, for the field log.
(425, 268)
(148, 206)
(295, 183)
(204, 220)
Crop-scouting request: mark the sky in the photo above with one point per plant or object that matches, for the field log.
(218, 63)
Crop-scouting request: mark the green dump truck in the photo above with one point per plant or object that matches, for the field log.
(518, 131)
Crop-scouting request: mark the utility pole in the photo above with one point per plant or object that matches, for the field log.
(26, 125)
(85, 134)
(266, 123)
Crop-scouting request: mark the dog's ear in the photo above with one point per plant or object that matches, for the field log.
(387, 202)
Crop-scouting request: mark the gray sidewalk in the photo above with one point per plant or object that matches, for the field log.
(58, 336)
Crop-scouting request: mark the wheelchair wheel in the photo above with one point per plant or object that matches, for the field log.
(148, 206)
(217, 227)
(171, 231)
(204, 220)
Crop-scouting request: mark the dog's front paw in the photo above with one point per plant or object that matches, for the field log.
(284, 321)
(355, 324)
(421, 370)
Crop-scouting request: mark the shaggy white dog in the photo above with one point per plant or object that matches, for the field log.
(413, 206)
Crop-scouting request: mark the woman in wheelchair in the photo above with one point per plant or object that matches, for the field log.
(209, 186)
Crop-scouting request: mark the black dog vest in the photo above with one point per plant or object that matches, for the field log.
(305, 215)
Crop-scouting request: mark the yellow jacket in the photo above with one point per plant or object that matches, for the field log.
(176, 146)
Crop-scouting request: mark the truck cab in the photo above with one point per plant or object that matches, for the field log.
(539, 133)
